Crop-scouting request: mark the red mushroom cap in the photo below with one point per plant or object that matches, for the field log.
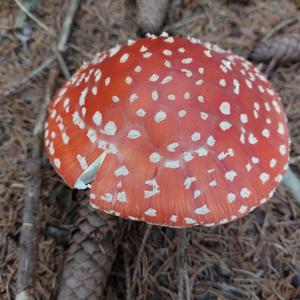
(170, 131)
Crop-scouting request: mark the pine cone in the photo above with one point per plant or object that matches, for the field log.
(91, 255)
(151, 14)
(282, 49)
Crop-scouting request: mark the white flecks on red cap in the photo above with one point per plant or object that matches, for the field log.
(170, 131)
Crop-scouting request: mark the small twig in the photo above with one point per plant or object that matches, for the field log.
(292, 183)
(271, 67)
(33, 17)
(45, 64)
(281, 26)
(8, 282)
(210, 19)
(62, 64)
(82, 52)
(181, 261)
(64, 36)
(138, 260)
(28, 239)
(232, 291)
(27, 255)
(127, 274)
(38, 129)
(187, 284)
(61, 45)
(68, 21)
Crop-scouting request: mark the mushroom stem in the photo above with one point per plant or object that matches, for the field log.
(292, 182)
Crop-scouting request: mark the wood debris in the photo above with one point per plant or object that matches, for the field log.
(151, 15)
(91, 254)
(283, 49)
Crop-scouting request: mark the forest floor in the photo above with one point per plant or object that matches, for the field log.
(257, 257)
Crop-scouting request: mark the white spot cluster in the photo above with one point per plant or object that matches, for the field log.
(122, 171)
(154, 188)
(160, 116)
(225, 126)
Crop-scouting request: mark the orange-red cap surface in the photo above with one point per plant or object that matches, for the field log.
(189, 134)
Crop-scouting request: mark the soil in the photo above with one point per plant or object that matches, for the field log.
(257, 257)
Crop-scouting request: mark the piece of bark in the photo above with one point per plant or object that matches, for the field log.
(91, 254)
(151, 15)
(281, 49)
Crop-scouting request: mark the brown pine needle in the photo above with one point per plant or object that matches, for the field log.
(33, 17)
(138, 260)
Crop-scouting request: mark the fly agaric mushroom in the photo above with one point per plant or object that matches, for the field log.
(170, 131)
